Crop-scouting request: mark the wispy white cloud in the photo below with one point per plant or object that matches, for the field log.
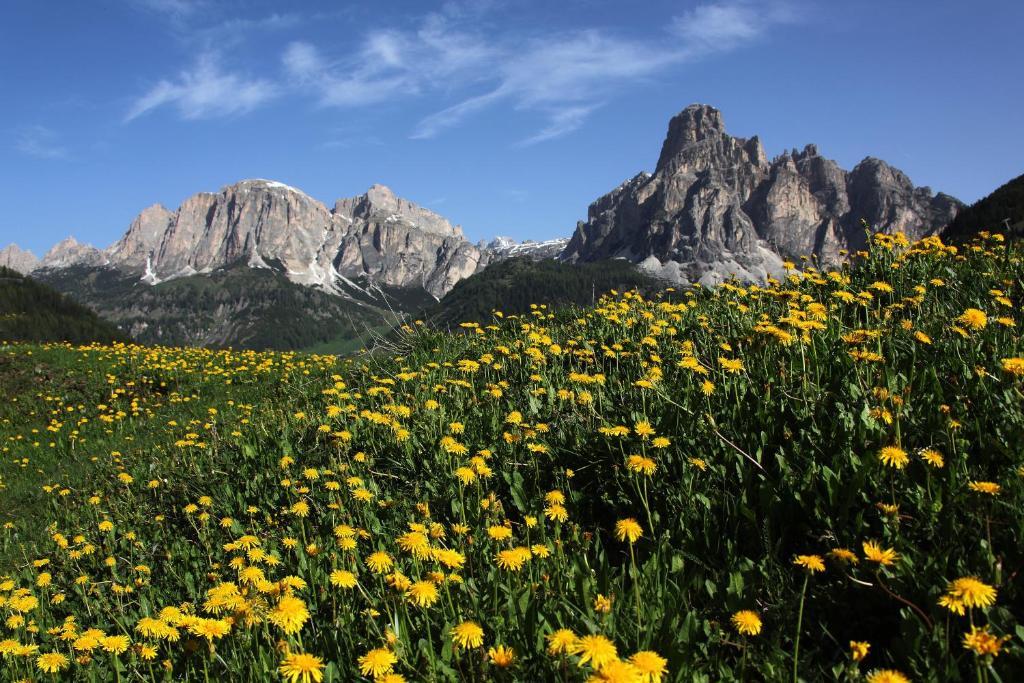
(725, 25)
(390, 64)
(561, 122)
(446, 118)
(232, 32)
(174, 9)
(564, 77)
(205, 91)
(559, 77)
(358, 84)
(39, 142)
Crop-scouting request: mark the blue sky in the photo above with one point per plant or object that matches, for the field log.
(508, 117)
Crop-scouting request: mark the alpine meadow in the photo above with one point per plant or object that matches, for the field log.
(817, 478)
(464, 342)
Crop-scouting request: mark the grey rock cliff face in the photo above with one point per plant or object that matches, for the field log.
(70, 252)
(716, 207)
(266, 224)
(18, 259)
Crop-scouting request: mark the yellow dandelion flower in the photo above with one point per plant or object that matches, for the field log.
(1014, 366)
(843, 555)
(812, 563)
(290, 614)
(746, 622)
(51, 662)
(894, 456)
(377, 662)
(651, 665)
(887, 676)
(513, 559)
(932, 457)
(562, 641)
(981, 642)
(556, 513)
(731, 365)
(859, 649)
(423, 593)
(973, 318)
(115, 645)
(596, 649)
(343, 579)
(300, 667)
(628, 530)
(988, 487)
(380, 562)
(468, 634)
(617, 671)
(972, 592)
(875, 553)
(501, 656)
(641, 465)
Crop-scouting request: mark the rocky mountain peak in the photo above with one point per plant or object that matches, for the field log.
(716, 207)
(380, 203)
(381, 196)
(70, 252)
(261, 185)
(696, 123)
(14, 257)
(376, 236)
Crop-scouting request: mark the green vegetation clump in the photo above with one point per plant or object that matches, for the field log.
(514, 285)
(819, 478)
(991, 213)
(238, 307)
(33, 312)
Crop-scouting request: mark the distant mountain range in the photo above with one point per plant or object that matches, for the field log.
(266, 224)
(716, 207)
(260, 263)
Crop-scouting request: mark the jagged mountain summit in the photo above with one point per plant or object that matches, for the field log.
(267, 224)
(376, 238)
(262, 264)
(505, 247)
(715, 207)
(18, 259)
(70, 252)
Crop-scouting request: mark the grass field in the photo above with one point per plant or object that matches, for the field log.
(817, 479)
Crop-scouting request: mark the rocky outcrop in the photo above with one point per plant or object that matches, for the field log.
(376, 237)
(17, 259)
(716, 207)
(502, 248)
(143, 237)
(70, 252)
(395, 242)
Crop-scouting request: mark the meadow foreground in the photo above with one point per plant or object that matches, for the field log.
(817, 479)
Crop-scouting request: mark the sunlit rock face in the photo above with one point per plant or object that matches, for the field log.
(716, 207)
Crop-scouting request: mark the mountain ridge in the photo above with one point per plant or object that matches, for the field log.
(376, 235)
(716, 207)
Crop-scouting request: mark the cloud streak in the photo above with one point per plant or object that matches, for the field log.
(559, 77)
(205, 91)
(39, 142)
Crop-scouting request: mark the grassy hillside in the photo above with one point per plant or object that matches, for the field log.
(237, 307)
(1007, 202)
(30, 311)
(819, 479)
(512, 286)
